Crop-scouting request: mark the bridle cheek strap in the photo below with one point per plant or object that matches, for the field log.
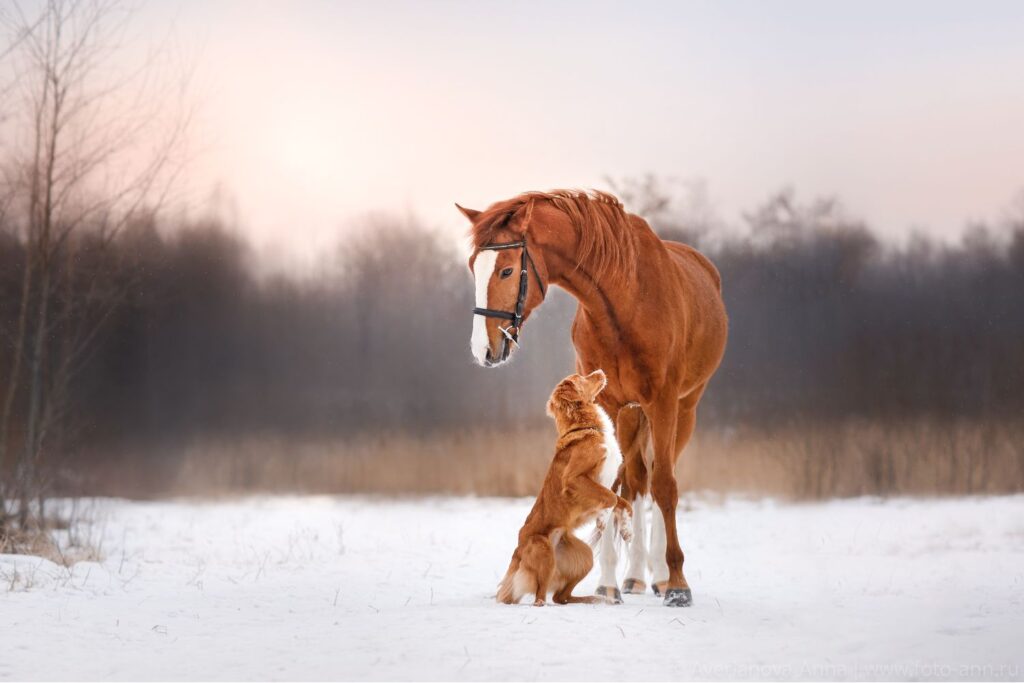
(515, 317)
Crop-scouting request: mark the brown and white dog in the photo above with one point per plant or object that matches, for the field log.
(549, 557)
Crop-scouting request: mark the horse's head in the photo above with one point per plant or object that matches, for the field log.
(510, 281)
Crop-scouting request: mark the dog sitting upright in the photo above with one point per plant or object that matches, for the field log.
(549, 557)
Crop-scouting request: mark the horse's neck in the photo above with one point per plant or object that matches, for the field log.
(596, 288)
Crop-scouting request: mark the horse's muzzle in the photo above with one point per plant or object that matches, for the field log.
(493, 361)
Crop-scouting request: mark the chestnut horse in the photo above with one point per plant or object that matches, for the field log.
(650, 315)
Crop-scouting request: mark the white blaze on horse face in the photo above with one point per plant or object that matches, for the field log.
(483, 269)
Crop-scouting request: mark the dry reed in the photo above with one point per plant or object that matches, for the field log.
(851, 458)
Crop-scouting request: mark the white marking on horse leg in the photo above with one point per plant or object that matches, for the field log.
(656, 556)
(483, 269)
(609, 554)
(638, 548)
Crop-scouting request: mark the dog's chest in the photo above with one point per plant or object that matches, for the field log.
(612, 454)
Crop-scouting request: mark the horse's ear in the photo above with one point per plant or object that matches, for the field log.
(520, 220)
(471, 214)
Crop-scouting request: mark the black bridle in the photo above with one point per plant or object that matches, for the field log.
(516, 317)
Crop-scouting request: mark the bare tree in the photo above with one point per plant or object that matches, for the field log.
(679, 210)
(96, 150)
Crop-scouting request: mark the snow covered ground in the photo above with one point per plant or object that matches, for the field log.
(352, 588)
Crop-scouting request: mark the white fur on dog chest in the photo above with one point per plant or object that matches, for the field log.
(612, 453)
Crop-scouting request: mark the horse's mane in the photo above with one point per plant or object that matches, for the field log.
(605, 236)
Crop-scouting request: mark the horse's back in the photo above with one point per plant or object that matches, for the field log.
(686, 257)
(706, 311)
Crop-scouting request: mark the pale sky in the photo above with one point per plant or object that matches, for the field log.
(313, 114)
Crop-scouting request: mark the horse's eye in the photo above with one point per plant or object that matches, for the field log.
(505, 273)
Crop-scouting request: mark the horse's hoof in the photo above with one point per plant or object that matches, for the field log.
(609, 593)
(659, 587)
(634, 587)
(678, 597)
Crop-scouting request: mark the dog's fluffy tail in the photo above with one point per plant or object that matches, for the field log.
(515, 585)
(505, 589)
(508, 589)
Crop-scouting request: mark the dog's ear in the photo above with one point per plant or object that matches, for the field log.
(594, 383)
(565, 391)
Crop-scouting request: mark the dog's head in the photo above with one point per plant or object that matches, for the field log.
(574, 392)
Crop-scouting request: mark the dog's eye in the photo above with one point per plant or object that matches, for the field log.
(505, 273)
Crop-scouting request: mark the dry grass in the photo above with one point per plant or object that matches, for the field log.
(63, 537)
(800, 462)
(482, 463)
(853, 458)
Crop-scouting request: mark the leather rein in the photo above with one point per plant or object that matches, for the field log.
(515, 317)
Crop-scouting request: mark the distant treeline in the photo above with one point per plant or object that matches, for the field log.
(827, 323)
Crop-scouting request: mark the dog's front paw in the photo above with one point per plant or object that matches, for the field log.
(600, 523)
(626, 527)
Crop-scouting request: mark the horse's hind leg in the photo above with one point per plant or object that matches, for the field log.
(656, 556)
(573, 561)
(672, 424)
(665, 492)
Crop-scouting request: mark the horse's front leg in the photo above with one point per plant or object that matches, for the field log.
(663, 416)
(608, 585)
(608, 556)
(636, 569)
(633, 438)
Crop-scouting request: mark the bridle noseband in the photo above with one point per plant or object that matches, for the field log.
(516, 317)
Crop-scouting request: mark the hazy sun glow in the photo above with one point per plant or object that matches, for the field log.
(313, 114)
